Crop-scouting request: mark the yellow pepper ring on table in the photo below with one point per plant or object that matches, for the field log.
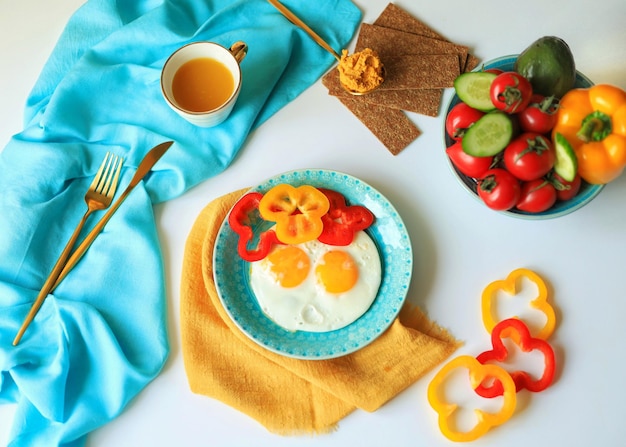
(447, 411)
(593, 120)
(297, 212)
(509, 285)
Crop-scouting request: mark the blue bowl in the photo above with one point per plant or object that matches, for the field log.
(561, 208)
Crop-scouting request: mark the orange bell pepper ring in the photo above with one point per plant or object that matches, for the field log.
(509, 285)
(477, 374)
(297, 212)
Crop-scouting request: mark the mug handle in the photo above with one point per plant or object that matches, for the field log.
(239, 50)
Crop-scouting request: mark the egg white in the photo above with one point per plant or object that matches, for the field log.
(308, 306)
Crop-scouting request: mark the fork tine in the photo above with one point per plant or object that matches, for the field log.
(98, 177)
(113, 177)
(102, 183)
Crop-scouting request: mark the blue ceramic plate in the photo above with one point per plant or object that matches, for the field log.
(587, 191)
(389, 234)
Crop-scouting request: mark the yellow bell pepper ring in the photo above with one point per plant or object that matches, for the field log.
(593, 120)
(297, 212)
(447, 411)
(509, 286)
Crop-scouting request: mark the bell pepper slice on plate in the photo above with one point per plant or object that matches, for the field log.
(527, 343)
(593, 120)
(242, 218)
(297, 212)
(342, 221)
(509, 286)
(478, 373)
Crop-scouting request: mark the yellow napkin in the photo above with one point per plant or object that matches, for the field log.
(291, 396)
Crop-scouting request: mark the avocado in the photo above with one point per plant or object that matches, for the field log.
(549, 65)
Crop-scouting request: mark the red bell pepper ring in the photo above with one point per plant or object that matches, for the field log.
(243, 216)
(519, 333)
(342, 221)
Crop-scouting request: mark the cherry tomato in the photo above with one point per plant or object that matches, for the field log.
(536, 196)
(529, 156)
(540, 114)
(460, 118)
(510, 92)
(468, 164)
(565, 190)
(499, 189)
(494, 70)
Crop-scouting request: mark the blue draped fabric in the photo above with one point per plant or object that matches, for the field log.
(101, 337)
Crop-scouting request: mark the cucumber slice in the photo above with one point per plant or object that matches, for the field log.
(489, 135)
(473, 89)
(566, 163)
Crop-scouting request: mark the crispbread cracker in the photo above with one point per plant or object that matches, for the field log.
(397, 18)
(419, 63)
(389, 42)
(394, 17)
(421, 71)
(471, 63)
(391, 126)
(422, 101)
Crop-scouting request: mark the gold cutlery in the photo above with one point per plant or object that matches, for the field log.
(98, 197)
(144, 167)
(149, 160)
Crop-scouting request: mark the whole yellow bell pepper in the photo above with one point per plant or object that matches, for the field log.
(593, 120)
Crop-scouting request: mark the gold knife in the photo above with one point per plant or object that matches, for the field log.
(144, 167)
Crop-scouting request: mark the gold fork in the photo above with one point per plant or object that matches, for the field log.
(98, 197)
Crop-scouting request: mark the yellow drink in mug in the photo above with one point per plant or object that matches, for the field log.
(201, 81)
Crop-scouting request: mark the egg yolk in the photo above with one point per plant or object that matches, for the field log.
(290, 265)
(337, 271)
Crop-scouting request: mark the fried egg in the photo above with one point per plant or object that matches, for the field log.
(317, 287)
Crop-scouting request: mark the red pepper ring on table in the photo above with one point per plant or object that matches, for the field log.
(519, 333)
(342, 221)
(241, 219)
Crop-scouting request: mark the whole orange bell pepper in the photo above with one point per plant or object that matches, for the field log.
(593, 120)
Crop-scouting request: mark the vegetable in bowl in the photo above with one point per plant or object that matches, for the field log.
(505, 127)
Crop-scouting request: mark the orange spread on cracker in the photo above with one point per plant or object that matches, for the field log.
(361, 72)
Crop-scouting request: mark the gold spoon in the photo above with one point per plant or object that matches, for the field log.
(321, 42)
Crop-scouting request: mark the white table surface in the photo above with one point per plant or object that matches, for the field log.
(460, 246)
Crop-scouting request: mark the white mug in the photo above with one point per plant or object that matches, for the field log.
(205, 51)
